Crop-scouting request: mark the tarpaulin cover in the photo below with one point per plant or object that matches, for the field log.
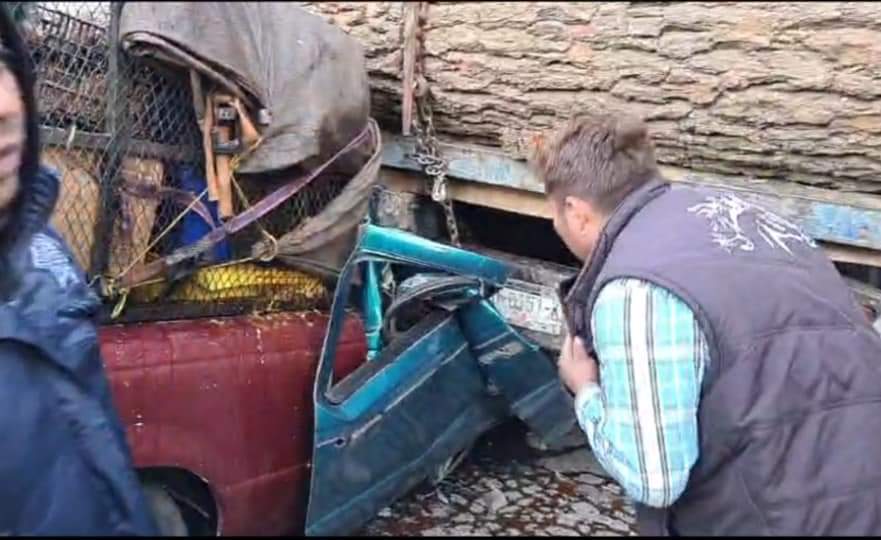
(308, 74)
(322, 244)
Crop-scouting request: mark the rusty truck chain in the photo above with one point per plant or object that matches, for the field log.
(427, 153)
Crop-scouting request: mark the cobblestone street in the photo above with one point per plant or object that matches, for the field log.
(507, 488)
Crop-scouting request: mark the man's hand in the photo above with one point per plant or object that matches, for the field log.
(577, 369)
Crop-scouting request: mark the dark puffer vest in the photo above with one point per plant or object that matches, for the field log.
(790, 411)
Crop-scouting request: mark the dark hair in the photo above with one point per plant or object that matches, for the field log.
(600, 158)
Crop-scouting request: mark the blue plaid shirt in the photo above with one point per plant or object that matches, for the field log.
(641, 420)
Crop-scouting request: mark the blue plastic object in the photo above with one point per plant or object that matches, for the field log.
(193, 226)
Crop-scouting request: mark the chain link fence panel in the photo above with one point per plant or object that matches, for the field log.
(122, 134)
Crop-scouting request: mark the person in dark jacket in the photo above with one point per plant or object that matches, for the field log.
(724, 373)
(65, 467)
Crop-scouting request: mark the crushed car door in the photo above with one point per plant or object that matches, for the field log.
(422, 398)
(386, 426)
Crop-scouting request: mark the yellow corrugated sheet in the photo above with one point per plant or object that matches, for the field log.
(242, 281)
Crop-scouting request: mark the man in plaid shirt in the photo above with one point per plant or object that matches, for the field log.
(642, 424)
(722, 371)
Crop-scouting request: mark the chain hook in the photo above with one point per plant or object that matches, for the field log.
(427, 152)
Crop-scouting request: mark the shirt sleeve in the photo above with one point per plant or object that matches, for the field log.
(641, 419)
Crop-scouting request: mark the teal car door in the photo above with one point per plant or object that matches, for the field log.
(425, 394)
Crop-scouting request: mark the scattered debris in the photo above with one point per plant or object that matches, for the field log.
(507, 489)
(494, 501)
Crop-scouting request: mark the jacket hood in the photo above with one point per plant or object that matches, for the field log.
(38, 192)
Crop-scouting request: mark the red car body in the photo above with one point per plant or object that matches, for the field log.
(226, 404)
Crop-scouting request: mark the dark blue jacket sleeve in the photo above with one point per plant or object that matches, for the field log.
(48, 485)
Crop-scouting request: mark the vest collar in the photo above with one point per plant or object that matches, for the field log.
(577, 289)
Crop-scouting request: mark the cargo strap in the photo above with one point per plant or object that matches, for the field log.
(178, 196)
(240, 221)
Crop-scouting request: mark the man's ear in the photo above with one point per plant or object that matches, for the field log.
(578, 212)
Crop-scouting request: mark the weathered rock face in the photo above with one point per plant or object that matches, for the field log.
(789, 90)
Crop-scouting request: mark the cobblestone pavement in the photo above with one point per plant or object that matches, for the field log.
(507, 488)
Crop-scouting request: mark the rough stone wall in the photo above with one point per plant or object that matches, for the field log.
(788, 90)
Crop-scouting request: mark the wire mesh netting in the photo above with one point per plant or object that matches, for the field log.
(123, 136)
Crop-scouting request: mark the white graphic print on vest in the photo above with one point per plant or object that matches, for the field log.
(724, 213)
(47, 255)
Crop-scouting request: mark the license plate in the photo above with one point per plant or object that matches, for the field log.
(530, 306)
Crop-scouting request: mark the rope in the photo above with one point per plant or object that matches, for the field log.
(161, 235)
(234, 164)
(120, 305)
(247, 204)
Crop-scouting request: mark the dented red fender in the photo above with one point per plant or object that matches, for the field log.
(229, 400)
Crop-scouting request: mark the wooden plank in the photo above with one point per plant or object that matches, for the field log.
(851, 254)
(101, 141)
(848, 219)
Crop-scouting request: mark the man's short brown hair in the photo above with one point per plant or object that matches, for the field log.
(600, 158)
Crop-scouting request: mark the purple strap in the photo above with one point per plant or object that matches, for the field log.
(242, 220)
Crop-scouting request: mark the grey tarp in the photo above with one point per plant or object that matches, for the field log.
(322, 244)
(307, 73)
(310, 76)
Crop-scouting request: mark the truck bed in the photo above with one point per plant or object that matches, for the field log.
(228, 401)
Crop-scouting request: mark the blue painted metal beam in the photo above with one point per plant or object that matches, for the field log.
(847, 219)
(466, 162)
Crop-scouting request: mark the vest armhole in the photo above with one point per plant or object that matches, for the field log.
(713, 365)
